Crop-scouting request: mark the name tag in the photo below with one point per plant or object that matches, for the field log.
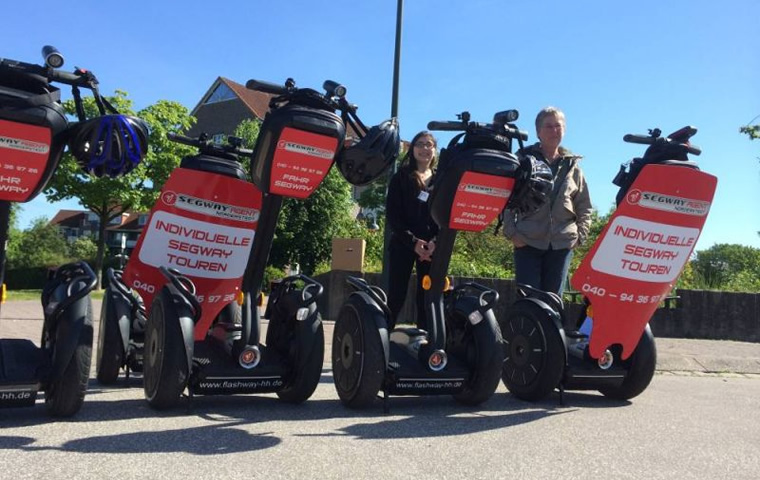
(423, 196)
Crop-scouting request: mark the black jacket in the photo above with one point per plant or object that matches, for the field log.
(407, 215)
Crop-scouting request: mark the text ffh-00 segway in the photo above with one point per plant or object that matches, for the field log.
(460, 353)
(662, 206)
(202, 225)
(34, 131)
(298, 142)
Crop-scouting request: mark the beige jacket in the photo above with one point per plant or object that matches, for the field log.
(563, 223)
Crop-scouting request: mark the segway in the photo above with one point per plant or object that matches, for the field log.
(662, 206)
(460, 352)
(298, 142)
(33, 133)
(202, 225)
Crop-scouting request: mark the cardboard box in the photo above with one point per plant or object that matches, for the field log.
(348, 254)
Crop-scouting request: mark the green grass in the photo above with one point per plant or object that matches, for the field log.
(16, 295)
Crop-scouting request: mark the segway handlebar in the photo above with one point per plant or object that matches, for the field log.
(680, 137)
(269, 87)
(202, 142)
(53, 61)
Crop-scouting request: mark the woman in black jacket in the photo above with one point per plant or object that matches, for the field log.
(412, 229)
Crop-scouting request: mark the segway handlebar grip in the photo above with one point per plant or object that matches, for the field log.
(266, 87)
(693, 149)
(176, 137)
(640, 139)
(447, 126)
(516, 133)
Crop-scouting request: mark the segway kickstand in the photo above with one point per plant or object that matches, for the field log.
(562, 394)
(386, 407)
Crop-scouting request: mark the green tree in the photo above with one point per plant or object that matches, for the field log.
(305, 228)
(108, 197)
(727, 267)
(40, 246)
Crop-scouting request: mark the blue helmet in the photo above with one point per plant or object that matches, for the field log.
(109, 145)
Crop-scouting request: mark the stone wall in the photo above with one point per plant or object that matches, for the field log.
(688, 314)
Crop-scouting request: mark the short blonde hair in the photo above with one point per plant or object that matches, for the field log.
(546, 112)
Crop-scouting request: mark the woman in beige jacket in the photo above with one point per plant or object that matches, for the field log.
(544, 240)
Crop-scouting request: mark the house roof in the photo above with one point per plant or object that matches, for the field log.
(68, 218)
(256, 103)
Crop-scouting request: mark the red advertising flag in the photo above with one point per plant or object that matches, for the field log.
(641, 252)
(203, 225)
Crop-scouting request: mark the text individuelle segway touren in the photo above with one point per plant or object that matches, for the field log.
(202, 226)
(298, 142)
(33, 133)
(460, 352)
(662, 206)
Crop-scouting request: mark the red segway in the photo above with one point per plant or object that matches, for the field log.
(205, 246)
(460, 352)
(663, 203)
(202, 226)
(33, 133)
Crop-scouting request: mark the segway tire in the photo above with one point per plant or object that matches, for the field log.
(305, 381)
(641, 367)
(358, 359)
(534, 353)
(64, 395)
(165, 371)
(487, 371)
(110, 353)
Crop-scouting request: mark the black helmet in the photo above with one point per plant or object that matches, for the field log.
(533, 186)
(109, 144)
(367, 159)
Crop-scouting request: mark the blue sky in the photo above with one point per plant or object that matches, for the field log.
(613, 67)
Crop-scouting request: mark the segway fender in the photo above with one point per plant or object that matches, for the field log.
(123, 309)
(554, 315)
(380, 320)
(484, 333)
(183, 313)
(69, 328)
(308, 332)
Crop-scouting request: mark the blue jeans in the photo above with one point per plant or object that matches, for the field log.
(542, 269)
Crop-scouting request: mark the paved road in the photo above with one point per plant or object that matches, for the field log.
(686, 425)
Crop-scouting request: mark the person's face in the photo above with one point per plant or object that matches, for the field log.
(424, 151)
(552, 130)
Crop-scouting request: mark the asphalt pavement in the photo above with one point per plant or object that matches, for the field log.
(22, 319)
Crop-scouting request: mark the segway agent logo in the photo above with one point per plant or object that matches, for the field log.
(669, 203)
(169, 197)
(309, 150)
(485, 190)
(23, 145)
(215, 209)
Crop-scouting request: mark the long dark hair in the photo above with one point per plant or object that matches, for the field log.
(409, 162)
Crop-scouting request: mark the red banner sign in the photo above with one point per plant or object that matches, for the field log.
(24, 153)
(479, 200)
(203, 225)
(301, 161)
(641, 252)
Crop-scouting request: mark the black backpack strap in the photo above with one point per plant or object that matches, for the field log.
(559, 178)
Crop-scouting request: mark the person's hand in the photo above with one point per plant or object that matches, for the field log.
(518, 243)
(424, 250)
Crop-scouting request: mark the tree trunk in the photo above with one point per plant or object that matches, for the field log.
(103, 216)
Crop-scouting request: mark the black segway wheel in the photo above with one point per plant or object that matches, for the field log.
(110, 353)
(302, 384)
(484, 356)
(641, 366)
(534, 353)
(165, 371)
(358, 359)
(64, 395)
